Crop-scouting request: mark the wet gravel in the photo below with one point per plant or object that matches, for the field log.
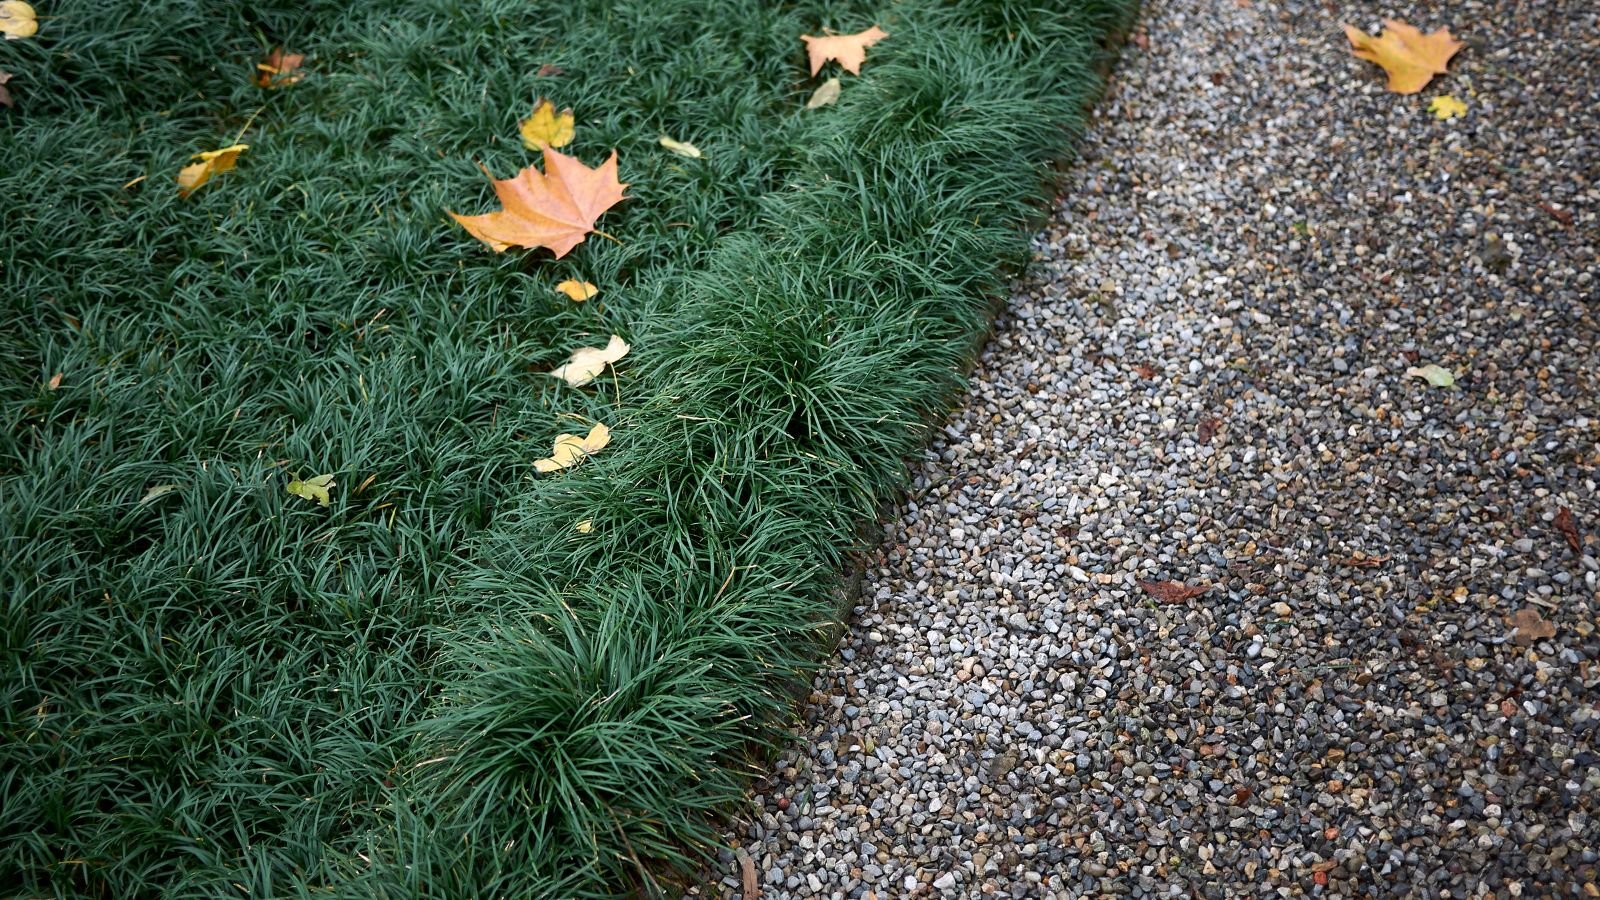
(1392, 686)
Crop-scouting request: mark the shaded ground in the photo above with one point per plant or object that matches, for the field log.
(1204, 380)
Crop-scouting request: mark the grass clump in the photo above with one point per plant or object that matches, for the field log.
(438, 685)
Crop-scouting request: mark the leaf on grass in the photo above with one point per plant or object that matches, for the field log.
(1410, 57)
(569, 449)
(545, 127)
(547, 70)
(54, 382)
(555, 209)
(155, 491)
(827, 93)
(17, 20)
(1173, 591)
(578, 291)
(586, 526)
(587, 363)
(849, 50)
(1568, 526)
(5, 95)
(279, 69)
(682, 148)
(1530, 626)
(1445, 106)
(1438, 376)
(211, 162)
(313, 488)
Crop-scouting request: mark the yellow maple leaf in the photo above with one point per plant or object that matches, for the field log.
(312, 488)
(545, 127)
(1410, 57)
(578, 291)
(588, 362)
(1445, 106)
(569, 449)
(849, 50)
(18, 20)
(211, 162)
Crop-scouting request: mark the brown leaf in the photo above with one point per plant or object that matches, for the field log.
(1207, 429)
(555, 209)
(1568, 526)
(5, 95)
(55, 381)
(1362, 561)
(1145, 371)
(547, 70)
(1242, 795)
(1530, 626)
(279, 69)
(850, 50)
(747, 874)
(1564, 216)
(1410, 57)
(1173, 591)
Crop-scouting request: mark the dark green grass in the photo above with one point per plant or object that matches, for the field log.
(437, 685)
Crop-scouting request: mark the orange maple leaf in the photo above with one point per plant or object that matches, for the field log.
(1410, 57)
(556, 208)
(849, 49)
(278, 68)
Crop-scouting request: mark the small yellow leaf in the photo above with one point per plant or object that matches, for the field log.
(313, 488)
(578, 291)
(587, 363)
(546, 127)
(55, 381)
(827, 93)
(1410, 57)
(157, 491)
(1445, 106)
(569, 449)
(17, 20)
(586, 526)
(211, 162)
(682, 148)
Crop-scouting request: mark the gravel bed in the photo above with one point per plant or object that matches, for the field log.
(1204, 380)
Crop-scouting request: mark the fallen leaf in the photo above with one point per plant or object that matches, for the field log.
(17, 20)
(682, 148)
(278, 69)
(211, 162)
(1145, 371)
(1362, 561)
(547, 70)
(828, 92)
(586, 363)
(1410, 57)
(569, 449)
(1207, 429)
(313, 488)
(1445, 106)
(1564, 523)
(5, 95)
(1564, 216)
(849, 50)
(157, 491)
(1438, 376)
(747, 876)
(1241, 795)
(545, 128)
(1530, 626)
(579, 291)
(1173, 591)
(586, 526)
(55, 381)
(555, 209)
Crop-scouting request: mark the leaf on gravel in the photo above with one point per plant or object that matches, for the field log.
(826, 94)
(1410, 57)
(569, 449)
(555, 209)
(747, 876)
(313, 488)
(1362, 561)
(545, 127)
(1173, 591)
(1207, 429)
(1568, 526)
(849, 50)
(212, 162)
(1530, 626)
(1438, 376)
(578, 291)
(1564, 216)
(279, 69)
(587, 363)
(17, 20)
(5, 95)
(1445, 106)
(682, 148)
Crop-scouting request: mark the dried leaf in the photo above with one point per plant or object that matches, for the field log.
(1207, 429)
(546, 70)
(1564, 216)
(578, 291)
(569, 449)
(826, 94)
(1173, 591)
(555, 209)
(54, 382)
(545, 128)
(1410, 57)
(155, 491)
(5, 95)
(587, 363)
(586, 526)
(1438, 376)
(1362, 561)
(747, 876)
(17, 20)
(313, 488)
(1530, 626)
(1445, 106)
(211, 162)
(1565, 523)
(849, 50)
(682, 148)
(278, 69)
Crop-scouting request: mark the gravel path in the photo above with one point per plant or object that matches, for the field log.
(1204, 380)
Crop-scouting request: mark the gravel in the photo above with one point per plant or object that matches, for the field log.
(1203, 380)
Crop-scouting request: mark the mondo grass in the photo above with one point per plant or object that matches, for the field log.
(437, 685)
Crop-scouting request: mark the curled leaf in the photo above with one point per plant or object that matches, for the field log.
(569, 449)
(279, 69)
(156, 491)
(586, 363)
(545, 127)
(682, 148)
(1438, 376)
(1445, 106)
(1530, 626)
(826, 93)
(556, 208)
(313, 488)
(1410, 57)
(584, 527)
(849, 50)
(211, 162)
(17, 20)
(578, 291)
(1173, 591)
(5, 95)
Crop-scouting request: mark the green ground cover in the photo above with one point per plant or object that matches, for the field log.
(437, 684)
